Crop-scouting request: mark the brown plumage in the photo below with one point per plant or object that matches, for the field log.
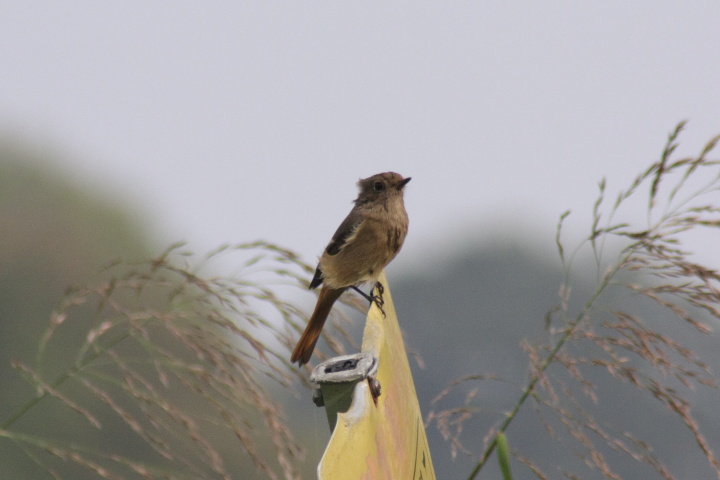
(364, 243)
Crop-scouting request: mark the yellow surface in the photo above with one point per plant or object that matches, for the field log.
(386, 441)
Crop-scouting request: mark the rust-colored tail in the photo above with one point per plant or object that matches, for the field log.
(305, 346)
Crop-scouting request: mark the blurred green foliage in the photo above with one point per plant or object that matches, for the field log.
(55, 233)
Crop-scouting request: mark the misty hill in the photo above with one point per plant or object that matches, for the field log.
(470, 317)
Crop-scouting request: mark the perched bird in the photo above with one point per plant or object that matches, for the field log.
(364, 243)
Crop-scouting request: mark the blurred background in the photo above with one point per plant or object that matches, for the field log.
(125, 127)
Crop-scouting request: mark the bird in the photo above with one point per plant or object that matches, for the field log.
(363, 245)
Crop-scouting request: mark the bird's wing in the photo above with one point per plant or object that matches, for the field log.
(344, 231)
(317, 279)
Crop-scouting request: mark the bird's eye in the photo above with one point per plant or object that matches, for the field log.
(379, 186)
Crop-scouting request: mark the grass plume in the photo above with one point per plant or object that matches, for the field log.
(606, 334)
(179, 362)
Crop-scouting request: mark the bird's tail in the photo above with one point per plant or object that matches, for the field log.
(305, 346)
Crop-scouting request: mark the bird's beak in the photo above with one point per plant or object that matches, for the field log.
(403, 182)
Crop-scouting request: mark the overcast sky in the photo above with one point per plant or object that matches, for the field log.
(232, 121)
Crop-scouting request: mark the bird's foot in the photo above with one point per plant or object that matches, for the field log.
(376, 299)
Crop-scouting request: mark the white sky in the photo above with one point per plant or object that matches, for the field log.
(232, 121)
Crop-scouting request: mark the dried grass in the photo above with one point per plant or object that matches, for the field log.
(182, 363)
(637, 352)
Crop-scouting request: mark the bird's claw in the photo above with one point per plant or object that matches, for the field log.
(378, 299)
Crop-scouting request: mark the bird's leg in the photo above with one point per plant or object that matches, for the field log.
(362, 294)
(377, 299)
